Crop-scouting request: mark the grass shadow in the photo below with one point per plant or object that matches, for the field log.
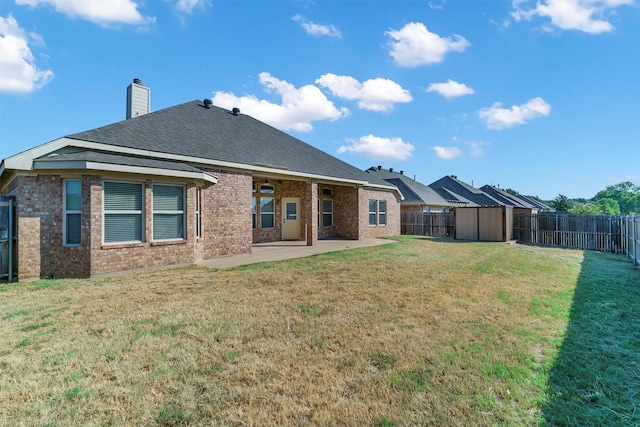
(595, 380)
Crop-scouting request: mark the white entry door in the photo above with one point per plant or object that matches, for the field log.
(290, 219)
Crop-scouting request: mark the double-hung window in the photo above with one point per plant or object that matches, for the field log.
(267, 207)
(198, 214)
(267, 212)
(327, 212)
(382, 212)
(377, 212)
(168, 212)
(373, 212)
(72, 225)
(123, 212)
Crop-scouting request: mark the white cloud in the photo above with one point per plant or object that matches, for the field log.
(187, 6)
(101, 12)
(378, 148)
(450, 89)
(447, 153)
(414, 45)
(590, 16)
(496, 117)
(314, 29)
(18, 71)
(374, 94)
(299, 106)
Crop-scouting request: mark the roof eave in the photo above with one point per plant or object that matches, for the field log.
(140, 170)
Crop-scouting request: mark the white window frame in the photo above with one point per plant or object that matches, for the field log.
(66, 212)
(329, 213)
(140, 213)
(373, 214)
(382, 213)
(272, 214)
(180, 212)
(198, 212)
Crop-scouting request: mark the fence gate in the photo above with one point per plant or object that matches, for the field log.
(8, 240)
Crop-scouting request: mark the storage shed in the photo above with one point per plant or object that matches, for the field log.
(484, 223)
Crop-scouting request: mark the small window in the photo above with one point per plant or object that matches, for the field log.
(168, 212)
(72, 225)
(267, 189)
(327, 192)
(267, 212)
(382, 212)
(123, 204)
(198, 209)
(327, 213)
(373, 212)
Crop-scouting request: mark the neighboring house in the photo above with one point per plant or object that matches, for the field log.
(519, 204)
(178, 185)
(462, 194)
(417, 196)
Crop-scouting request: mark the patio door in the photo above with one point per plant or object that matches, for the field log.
(290, 218)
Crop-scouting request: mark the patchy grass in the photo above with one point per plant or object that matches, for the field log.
(420, 332)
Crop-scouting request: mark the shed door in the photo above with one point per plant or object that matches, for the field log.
(290, 219)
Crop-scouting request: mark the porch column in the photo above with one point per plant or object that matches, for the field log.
(311, 213)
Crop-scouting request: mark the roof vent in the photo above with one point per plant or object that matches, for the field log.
(138, 81)
(235, 111)
(390, 169)
(379, 167)
(207, 103)
(454, 177)
(401, 172)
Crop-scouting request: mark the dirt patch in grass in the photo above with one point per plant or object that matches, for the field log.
(420, 332)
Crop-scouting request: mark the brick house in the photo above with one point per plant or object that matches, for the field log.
(417, 196)
(178, 185)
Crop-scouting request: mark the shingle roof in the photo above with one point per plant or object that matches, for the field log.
(414, 192)
(506, 198)
(463, 191)
(114, 159)
(215, 134)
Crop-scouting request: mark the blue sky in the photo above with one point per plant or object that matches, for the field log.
(539, 96)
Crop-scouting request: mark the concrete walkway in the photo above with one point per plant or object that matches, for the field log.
(276, 251)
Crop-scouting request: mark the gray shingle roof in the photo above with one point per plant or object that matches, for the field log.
(506, 198)
(455, 187)
(115, 159)
(414, 192)
(215, 134)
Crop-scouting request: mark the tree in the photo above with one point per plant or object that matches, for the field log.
(585, 209)
(562, 203)
(608, 206)
(626, 194)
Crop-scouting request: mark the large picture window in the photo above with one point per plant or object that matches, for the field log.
(123, 212)
(72, 225)
(168, 212)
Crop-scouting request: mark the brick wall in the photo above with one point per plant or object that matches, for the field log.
(392, 228)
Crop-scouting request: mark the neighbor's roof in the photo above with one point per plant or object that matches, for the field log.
(217, 135)
(451, 186)
(507, 198)
(414, 192)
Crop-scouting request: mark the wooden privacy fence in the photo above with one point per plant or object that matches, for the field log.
(598, 232)
(631, 239)
(439, 224)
